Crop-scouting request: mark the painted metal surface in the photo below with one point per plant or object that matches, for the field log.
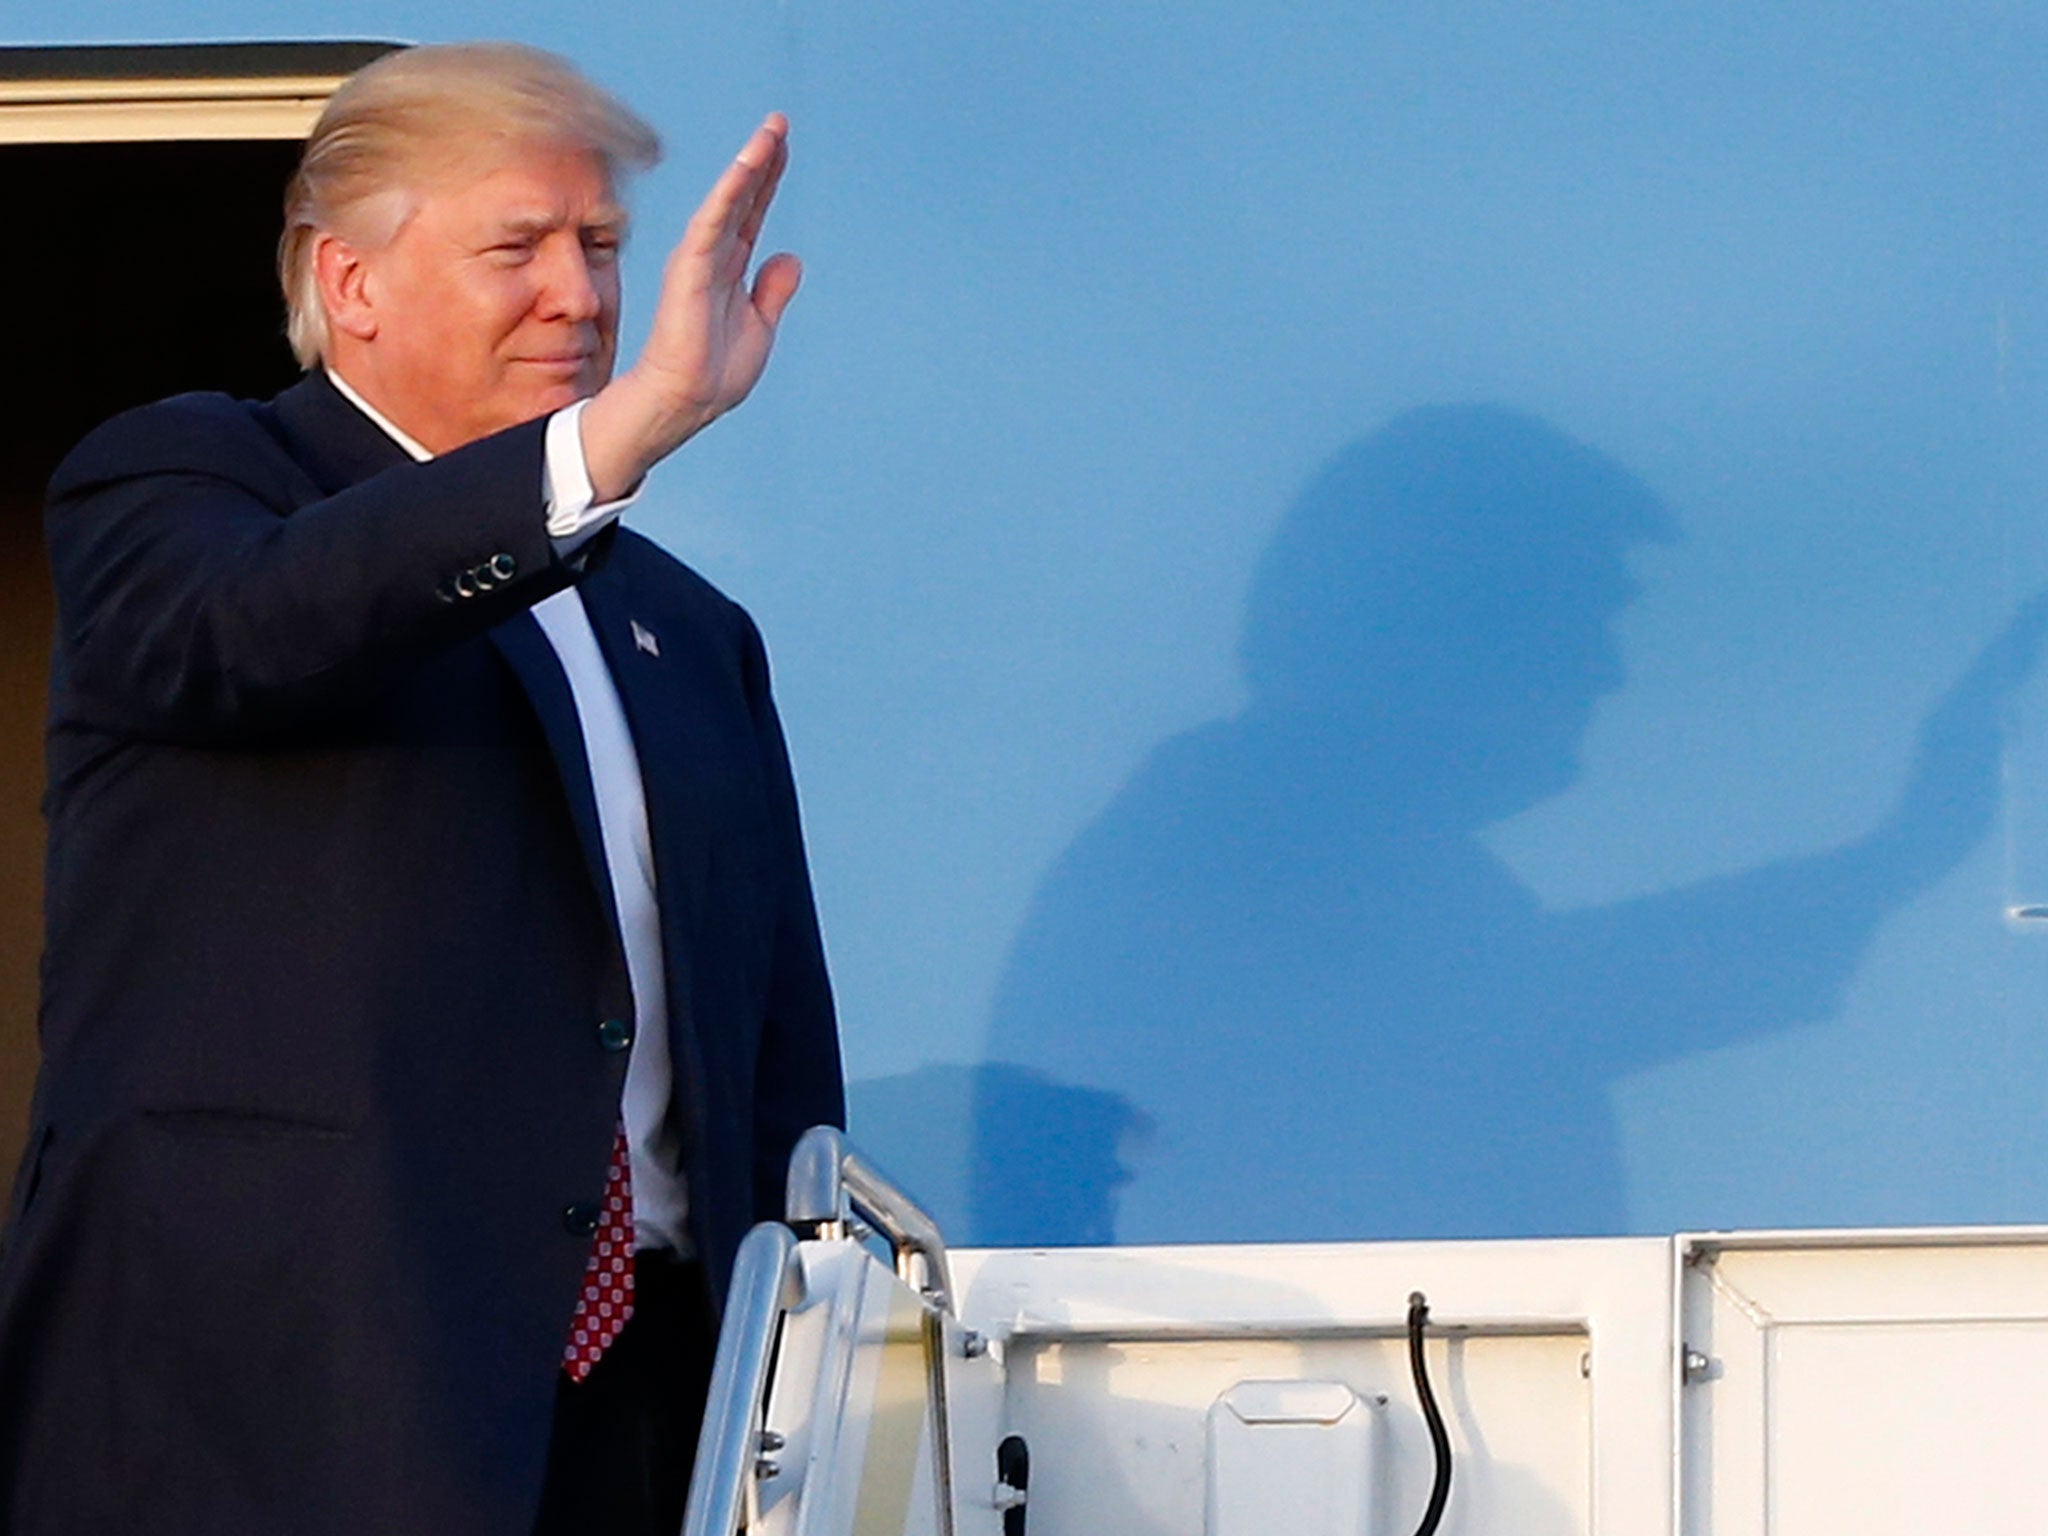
(1885, 1382)
(1299, 1456)
(1553, 1358)
(1531, 724)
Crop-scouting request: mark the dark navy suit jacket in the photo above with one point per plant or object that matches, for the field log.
(298, 1232)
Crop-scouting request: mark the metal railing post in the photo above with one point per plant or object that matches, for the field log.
(829, 1183)
(828, 1180)
(764, 1281)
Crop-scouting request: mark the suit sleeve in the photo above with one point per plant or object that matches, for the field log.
(797, 1081)
(201, 595)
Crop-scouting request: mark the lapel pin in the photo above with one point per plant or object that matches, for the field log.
(644, 638)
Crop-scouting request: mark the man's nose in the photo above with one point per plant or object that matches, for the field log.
(570, 291)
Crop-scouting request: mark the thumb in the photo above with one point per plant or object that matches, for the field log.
(775, 285)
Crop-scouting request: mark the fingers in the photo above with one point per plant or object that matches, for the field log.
(775, 285)
(738, 200)
(764, 193)
(774, 130)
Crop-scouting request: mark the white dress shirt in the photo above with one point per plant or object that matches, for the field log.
(574, 515)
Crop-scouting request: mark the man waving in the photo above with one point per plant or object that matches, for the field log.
(432, 988)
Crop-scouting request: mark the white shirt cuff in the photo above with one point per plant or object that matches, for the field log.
(575, 515)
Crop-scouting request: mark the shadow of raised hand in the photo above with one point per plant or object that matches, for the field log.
(1951, 793)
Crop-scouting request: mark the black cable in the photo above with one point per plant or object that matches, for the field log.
(1439, 1440)
(1013, 1472)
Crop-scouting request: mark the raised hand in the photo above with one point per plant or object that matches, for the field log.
(712, 330)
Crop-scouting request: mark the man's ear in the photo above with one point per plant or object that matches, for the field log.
(343, 278)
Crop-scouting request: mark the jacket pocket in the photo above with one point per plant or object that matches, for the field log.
(248, 1299)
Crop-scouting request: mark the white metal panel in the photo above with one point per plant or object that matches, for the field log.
(1554, 1360)
(851, 1400)
(1887, 1383)
(813, 1362)
(1881, 1383)
(1297, 1456)
(1909, 1428)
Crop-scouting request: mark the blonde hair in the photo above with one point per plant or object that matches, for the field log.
(419, 115)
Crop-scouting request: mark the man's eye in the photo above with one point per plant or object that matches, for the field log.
(511, 252)
(601, 252)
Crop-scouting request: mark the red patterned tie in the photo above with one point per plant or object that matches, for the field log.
(607, 1298)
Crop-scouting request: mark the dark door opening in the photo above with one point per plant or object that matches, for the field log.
(138, 271)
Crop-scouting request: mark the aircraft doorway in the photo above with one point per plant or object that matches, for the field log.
(138, 268)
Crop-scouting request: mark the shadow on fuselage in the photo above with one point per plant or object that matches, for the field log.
(1285, 946)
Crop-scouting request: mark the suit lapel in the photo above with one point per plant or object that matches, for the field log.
(658, 698)
(526, 649)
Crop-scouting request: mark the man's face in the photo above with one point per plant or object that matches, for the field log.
(497, 301)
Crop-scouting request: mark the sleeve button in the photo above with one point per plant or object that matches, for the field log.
(504, 567)
(615, 1034)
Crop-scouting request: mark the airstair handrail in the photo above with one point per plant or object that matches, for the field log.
(765, 1279)
(828, 1178)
